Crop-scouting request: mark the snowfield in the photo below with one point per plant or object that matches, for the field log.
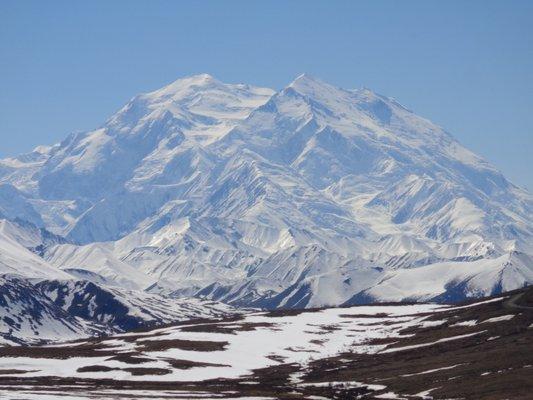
(293, 339)
(392, 351)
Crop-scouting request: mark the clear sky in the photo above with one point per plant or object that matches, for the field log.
(467, 65)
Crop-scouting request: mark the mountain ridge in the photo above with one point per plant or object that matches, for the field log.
(218, 190)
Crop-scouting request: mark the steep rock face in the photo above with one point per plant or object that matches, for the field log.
(313, 195)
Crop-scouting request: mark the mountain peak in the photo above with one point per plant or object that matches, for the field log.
(187, 83)
(306, 81)
(197, 79)
(315, 88)
(304, 77)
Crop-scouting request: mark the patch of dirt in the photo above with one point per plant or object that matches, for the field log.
(190, 345)
(130, 358)
(187, 364)
(363, 316)
(14, 371)
(277, 358)
(61, 352)
(290, 312)
(147, 371)
(231, 329)
(96, 368)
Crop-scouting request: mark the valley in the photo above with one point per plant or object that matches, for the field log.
(396, 351)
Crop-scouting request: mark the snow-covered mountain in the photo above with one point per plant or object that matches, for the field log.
(309, 196)
(41, 303)
(21, 245)
(48, 311)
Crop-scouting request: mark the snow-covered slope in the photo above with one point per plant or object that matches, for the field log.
(310, 196)
(40, 302)
(29, 316)
(19, 243)
(445, 281)
(53, 310)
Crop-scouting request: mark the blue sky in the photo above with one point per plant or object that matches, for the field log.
(467, 65)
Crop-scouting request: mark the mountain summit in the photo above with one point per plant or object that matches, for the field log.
(309, 196)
